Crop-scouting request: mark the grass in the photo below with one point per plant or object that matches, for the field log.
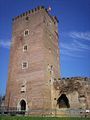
(40, 118)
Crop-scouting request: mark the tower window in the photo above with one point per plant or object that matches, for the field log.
(27, 18)
(26, 32)
(25, 48)
(24, 65)
(23, 89)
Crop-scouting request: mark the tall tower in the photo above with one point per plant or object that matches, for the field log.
(34, 61)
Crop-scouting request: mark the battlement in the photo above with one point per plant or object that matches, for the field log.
(75, 78)
(27, 13)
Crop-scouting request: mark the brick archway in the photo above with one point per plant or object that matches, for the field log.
(63, 101)
(22, 105)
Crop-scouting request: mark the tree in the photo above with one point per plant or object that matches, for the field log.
(2, 98)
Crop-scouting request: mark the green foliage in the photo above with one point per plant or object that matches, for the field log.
(40, 118)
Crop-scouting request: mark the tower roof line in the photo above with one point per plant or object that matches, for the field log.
(54, 18)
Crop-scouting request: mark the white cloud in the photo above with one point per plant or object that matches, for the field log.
(74, 48)
(70, 53)
(80, 35)
(70, 46)
(81, 45)
(5, 44)
(78, 44)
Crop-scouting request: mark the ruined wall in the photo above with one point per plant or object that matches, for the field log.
(77, 91)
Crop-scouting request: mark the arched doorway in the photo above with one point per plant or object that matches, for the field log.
(23, 106)
(63, 102)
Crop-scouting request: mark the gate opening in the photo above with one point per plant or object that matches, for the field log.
(63, 102)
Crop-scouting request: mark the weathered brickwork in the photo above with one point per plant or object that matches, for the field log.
(34, 72)
(75, 93)
(42, 56)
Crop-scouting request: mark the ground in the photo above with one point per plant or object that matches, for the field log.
(40, 118)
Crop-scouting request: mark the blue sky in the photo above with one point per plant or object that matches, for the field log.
(74, 32)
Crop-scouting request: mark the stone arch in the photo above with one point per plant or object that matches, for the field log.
(22, 105)
(63, 101)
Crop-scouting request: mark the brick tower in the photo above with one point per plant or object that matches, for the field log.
(34, 61)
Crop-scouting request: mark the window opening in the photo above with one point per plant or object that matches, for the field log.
(26, 32)
(24, 65)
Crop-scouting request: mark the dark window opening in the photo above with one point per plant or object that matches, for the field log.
(27, 18)
(82, 95)
(22, 91)
(24, 65)
(63, 102)
(54, 98)
(25, 48)
(23, 85)
(26, 32)
(51, 67)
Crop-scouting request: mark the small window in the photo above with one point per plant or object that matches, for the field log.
(23, 89)
(27, 18)
(23, 86)
(54, 98)
(24, 65)
(51, 67)
(26, 32)
(25, 48)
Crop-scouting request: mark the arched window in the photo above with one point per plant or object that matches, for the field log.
(63, 102)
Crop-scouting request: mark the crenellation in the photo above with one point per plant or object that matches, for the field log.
(75, 78)
(56, 19)
(29, 12)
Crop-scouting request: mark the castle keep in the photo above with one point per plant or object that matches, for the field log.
(34, 60)
(34, 82)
